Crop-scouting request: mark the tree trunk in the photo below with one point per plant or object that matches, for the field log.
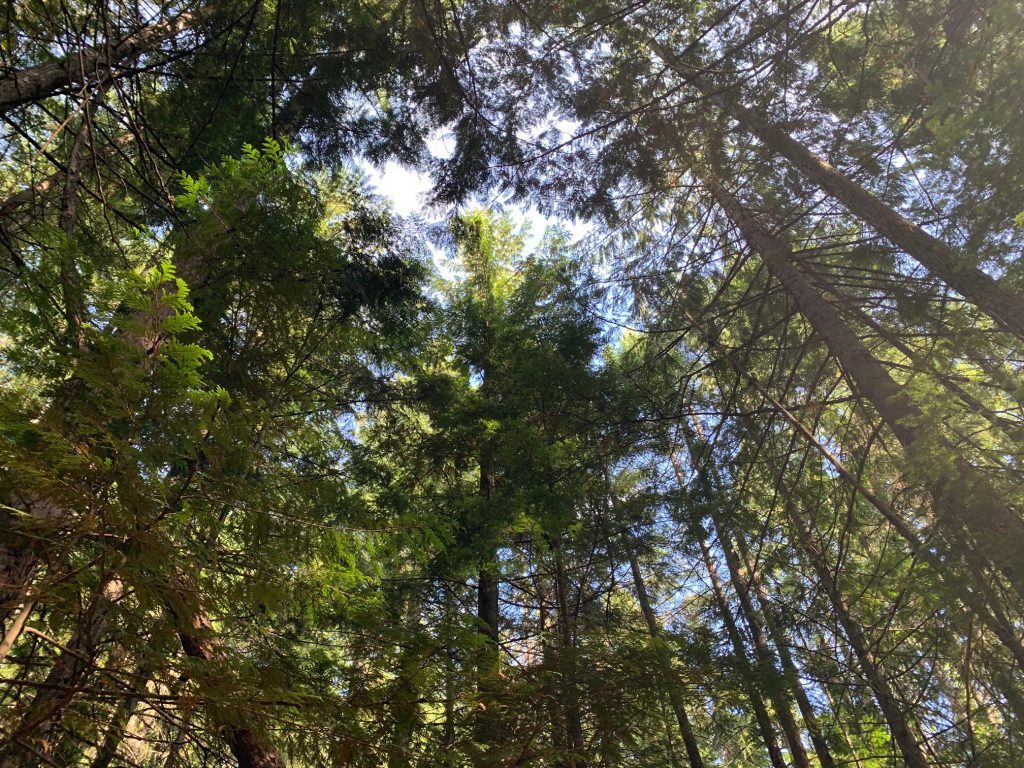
(953, 268)
(764, 722)
(884, 695)
(198, 641)
(966, 499)
(547, 626)
(36, 732)
(766, 658)
(404, 701)
(675, 696)
(488, 725)
(972, 590)
(70, 280)
(567, 662)
(119, 724)
(789, 668)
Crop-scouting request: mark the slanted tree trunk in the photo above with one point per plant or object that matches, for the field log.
(894, 716)
(789, 668)
(119, 723)
(964, 500)
(763, 650)
(757, 704)
(970, 587)
(694, 447)
(765, 658)
(955, 269)
(675, 695)
(199, 641)
(37, 726)
(36, 731)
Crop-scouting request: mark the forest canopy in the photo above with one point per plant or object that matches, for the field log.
(682, 424)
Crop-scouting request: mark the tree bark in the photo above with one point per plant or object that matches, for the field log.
(884, 695)
(547, 629)
(765, 658)
(675, 696)
(41, 81)
(488, 725)
(70, 280)
(36, 731)
(1005, 307)
(971, 590)
(198, 641)
(964, 500)
(119, 724)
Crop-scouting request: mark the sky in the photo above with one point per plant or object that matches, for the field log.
(408, 191)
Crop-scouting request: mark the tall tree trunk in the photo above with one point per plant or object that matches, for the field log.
(404, 702)
(118, 727)
(764, 722)
(675, 695)
(567, 661)
(70, 281)
(897, 722)
(965, 500)
(198, 640)
(765, 655)
(448, 733)
(488, 726)
(754, 621)
(1004, 306)
(973, 590)
(548, 626)
(789, 668)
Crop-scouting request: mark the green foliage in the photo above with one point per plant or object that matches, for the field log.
(266, 478)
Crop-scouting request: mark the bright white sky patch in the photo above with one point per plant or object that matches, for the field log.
(407, 190)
